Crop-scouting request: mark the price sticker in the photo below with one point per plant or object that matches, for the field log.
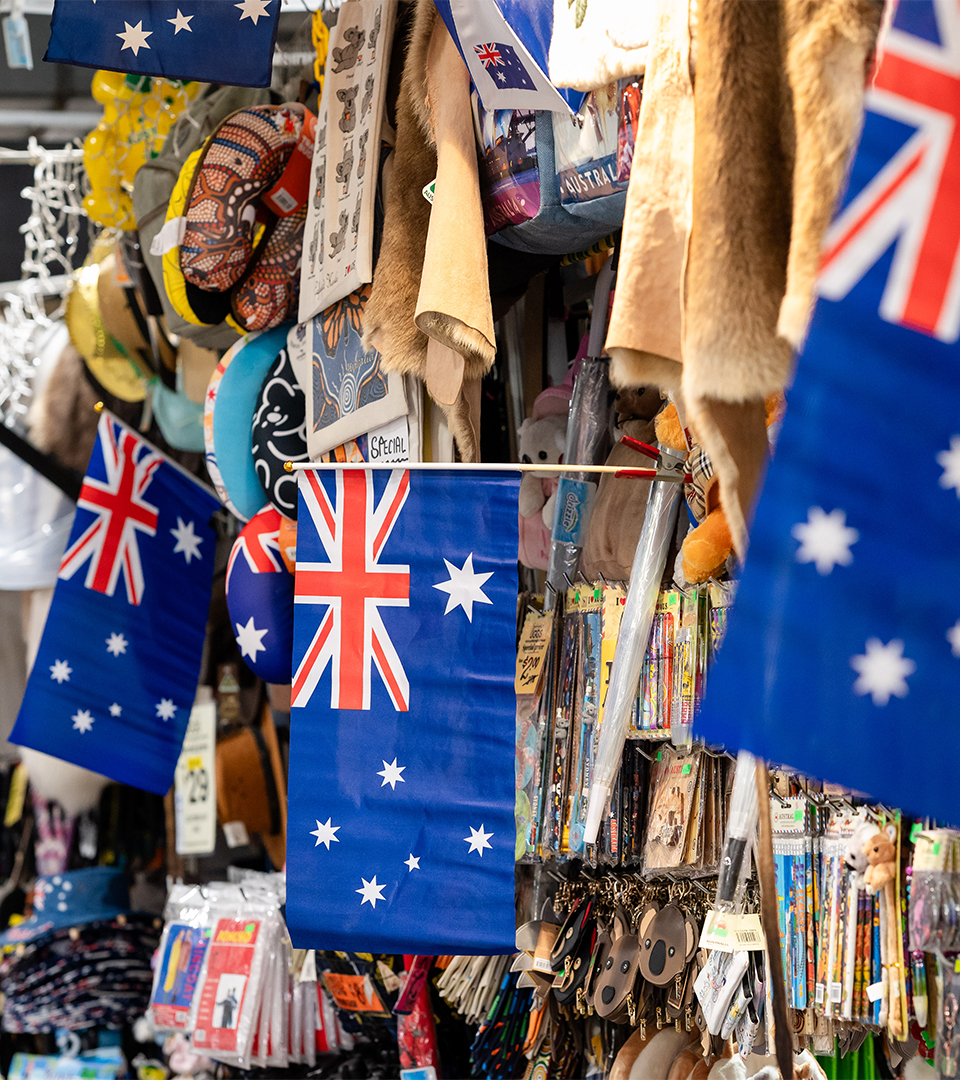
(532, 651)
(194, 783)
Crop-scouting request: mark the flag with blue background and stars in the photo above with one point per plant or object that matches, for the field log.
(844, 642)
(116, 672)
(401, 830)
(220, 41)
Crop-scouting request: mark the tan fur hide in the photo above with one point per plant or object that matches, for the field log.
(431, 282)
(778, 96)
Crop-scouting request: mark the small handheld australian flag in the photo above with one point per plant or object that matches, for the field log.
(116, 673)
(401, 829)
(219, 41)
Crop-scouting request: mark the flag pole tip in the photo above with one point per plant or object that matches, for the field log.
(288, 466)
(98, 407)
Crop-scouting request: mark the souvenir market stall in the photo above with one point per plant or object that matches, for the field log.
(470, 615)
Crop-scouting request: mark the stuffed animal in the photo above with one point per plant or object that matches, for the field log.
(855, 856)
(881, 852)
(541, 441)
(706, 547)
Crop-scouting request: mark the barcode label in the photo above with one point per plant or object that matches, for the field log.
(820, 993)
(836, 992)
(749, 937)
(284, 200)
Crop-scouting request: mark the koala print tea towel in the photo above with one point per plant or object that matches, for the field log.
(338, 236)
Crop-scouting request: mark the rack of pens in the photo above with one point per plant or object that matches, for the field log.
(564, 660)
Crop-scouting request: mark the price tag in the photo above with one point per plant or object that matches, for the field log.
(194, 783)
(532, 651)
(729, 933)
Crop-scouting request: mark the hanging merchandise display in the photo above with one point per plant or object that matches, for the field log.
(403, 687)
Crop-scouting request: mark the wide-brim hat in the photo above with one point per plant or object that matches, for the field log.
(71, 899)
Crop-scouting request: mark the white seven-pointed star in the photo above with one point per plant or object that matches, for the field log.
(253, 9)
(181, 22)
(825, 539)
(950, 460)
(882, 671)
(371, 892)
(325, 833)
(82, 721)
(116, 644)
(134, 37)
(250, 639)
(413, 862)
(953, 636)
(478, 840)
(115, 709)
(464, 587)
(187, 540)
(60, 670)
(166, 710)
(391, 774)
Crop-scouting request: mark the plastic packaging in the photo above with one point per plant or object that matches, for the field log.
(645, 577)
(587, 443)
(183, 946)
(35, 522)
(741, 826)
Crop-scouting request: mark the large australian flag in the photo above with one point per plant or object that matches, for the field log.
(221, 41)
(844, 643)
(116, 673)
(401, 830)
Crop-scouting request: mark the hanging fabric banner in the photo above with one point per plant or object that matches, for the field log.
(219, 41)
(845, 637)
(116, 672)
(401, 829)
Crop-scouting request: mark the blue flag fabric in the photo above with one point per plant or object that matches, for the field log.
(116, 672)
(210, 41)
(401, 829)
(844, 642)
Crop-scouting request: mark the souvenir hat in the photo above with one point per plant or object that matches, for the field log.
(260, 598)
(103, 329)
(71, 899)
(251, 786)
(235, 403)
(280, 434)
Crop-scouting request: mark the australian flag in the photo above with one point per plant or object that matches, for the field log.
(401, 831)
(116, 673)
(219, 41)
(503, 65)
(845, 639)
